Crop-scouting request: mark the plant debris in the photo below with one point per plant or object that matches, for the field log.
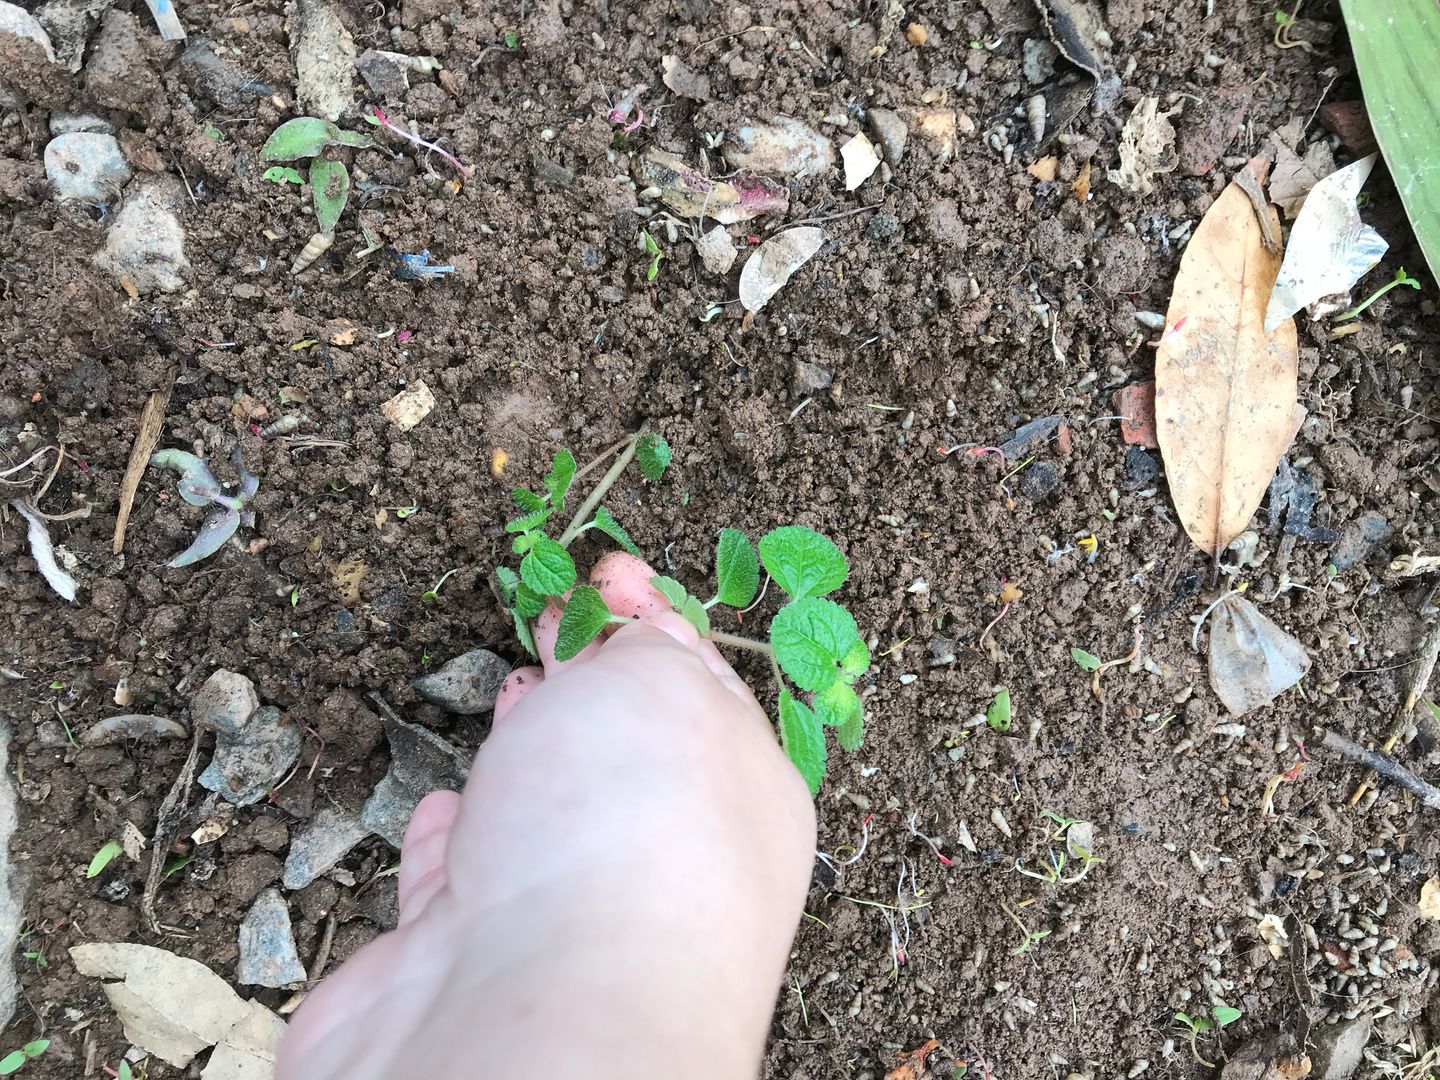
(43, 552)
(1252, 661)
(198, 487)
(775, 261)
(783, 147)
(1147, 147)
(691, 195)
(860, 160)
(409, 406)
(1293, 177)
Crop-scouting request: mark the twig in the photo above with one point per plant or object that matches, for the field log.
(171, 812)
(1095, 675)
(152, 421)
(54, 472)
(1390, 770)
(606, 483)
(322, 954)
(1419, 680)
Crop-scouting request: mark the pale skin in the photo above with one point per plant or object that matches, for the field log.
(613, 895)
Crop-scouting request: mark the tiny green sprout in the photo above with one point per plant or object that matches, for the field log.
(959, 1071)
(57, 685)
(1401, 278)
(283, 174)
(13, 1061)
(403, 512)
(512, 39)
(123, 1072)
(1199, 1025)
(712, 309)
(103, 858)
(1331, 570)
(433, 593)
(1284, 19)
(212, 132)
(653, 250)
(998, 714)
(1029, 938)
(37, 957)
(1434, 708)
(294, 596)
(426, 657)
(1087, 661)
(975, 44)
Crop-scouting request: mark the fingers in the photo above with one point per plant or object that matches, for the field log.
(623, 582)
(422, 853)
(516, 685)
(721, 669)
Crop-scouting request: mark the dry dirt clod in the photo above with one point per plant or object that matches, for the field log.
(468, 684)
(324, 60)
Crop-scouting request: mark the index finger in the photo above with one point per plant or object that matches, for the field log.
(623, 582)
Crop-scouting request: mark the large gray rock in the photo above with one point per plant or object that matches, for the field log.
(267, 945)
(146, 243)
(86, 166)
(248, 765)
(468, 684)
(420, 762)
(388, 810)
(320, 845)
(224, 702)
(1338, 1049)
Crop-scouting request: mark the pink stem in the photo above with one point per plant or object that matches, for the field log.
(386, 122)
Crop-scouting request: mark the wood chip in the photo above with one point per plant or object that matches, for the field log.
(152, 422)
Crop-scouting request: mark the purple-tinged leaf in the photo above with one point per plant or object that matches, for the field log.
(197, 484)
(219, 525)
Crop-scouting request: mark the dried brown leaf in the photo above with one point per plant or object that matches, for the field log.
(1225, 406)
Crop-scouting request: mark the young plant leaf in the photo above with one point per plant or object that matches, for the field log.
(737, 570)
(508, 583)
(802, 562)
(527, 500)
(810, 638)
(998, 714)
(585, 616)
(528, 603)
(671, 589)
(356, 139)
(851, 734)
(12, 1061)
(219, 525)
(803, 739)
(197, 484)
(280, 174)
(606, 523)
(857, 660)
(532, 520)
(562, 473)
(525, 541)
(330, 190)
(103, 858)
(836, 705)
(1087, 661)
(1225, 390)
(1226, 1014)
(693, 612)
(547, 568)
(524, 634)
(653, 453)
(302, 137)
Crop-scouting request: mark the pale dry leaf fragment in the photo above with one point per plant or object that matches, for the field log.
(783, 147)
(1293, 177)
(683, 81)
(248, 1050)
(410, 406)
(43, 552)
(773, 263)
(133, 841)
(1147, 147)
(1272, 933)
(691, 194)
(1428, 906)
(168, 1005)
(860, 160)
(1252, 661)
(1225, 408)
(937, 127)
(1330, 247)
(1043, 169)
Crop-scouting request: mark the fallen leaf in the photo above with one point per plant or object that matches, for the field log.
(913, 1067)
(692, 195)
(248, 1050)
(1252, 661)
(783, 147)
(1293, 177)
(1081, 187)
(133, 841)
(168, 1005)
(1330, 248)
(1135, 405)
(1225, 389)
(860, 160)
(346, 577)
(1147, 147)
(717, 251)
(342, 332)
(1429, 905)
(1043, 169)
(410, 406)
(773, 263)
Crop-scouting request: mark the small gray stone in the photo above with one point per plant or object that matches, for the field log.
(891, 131)
(420, 762)
(224, 702)
(249, 764)
(1358, 539)
(717, 251)
(320, 844)
(942, 651)
(1027, 437)
(1038, 60)
(467, 685)
(811, 378)
(267, 945)
(1337, 1049)
(51, 734)
(387, 811)
(86, 165)
(63, 123)
(386, 79)
(146, 243)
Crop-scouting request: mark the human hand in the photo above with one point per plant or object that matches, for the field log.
(617, 888)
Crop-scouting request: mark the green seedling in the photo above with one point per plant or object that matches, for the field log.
(814, 643)
(1284, 20)
(425, 657)
(308, 137)
(1029, 938)
(652, 249)
(1077, 850)
(123, 1072)
(295, 597)
(57, 685)
(283, 174)
(103, 858)
(1401, 278)
(434, 593)
(210, 131)
(37, 957)
(403, 512)
(13, 1061)
(1198, 1025)
(1087, 661)
(998, 714)
(198, 487)
(512, 39)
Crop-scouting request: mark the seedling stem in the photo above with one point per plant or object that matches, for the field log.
(1401, 278)
(587, 508)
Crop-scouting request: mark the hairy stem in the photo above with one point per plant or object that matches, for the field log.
(582, 516)
(722, 638)
(600, 457)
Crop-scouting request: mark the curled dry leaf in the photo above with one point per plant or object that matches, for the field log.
(1293, 177)
(773, 263)
(1225, 389)
(1252, 661)
(1429, 904)
(1272, 933)
(1330, 248)
(692, 195)
(860, 160)
(43, 552)
(1147, 147)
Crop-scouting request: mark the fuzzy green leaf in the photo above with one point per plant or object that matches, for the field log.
(585, 616)
(671, 589)
(810, 638)
(562, 473)
(606, 523)
(1226, 1014)
(837, 704)
(803, 739)
(103, 858)
(525, 541)
(527, 500)
(508, 583)
(857, 660)
(737, 570)
(528, 603)
(548, 568)
(653, 453)
(693, 612)
(330, 189)
(851, 734)
(802, 562)
(998, 714)
(1087, 661)
(302, 137)
(532, 520)
(356, 139)
(280, 174)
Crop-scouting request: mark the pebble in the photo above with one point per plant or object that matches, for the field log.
(811, 378)
(717, 251)
(1038, 60)
(882, 227)
(1151, 320)
(1337, 1049)
(1358, 539)
(320, 844)
(387, 812)
(248, 765)
(1141, 469)
(267, 945)
(420, 762)
(1039, 481)
(224, 702)
(467, 685)
(891, 132)
(86, 165)
(146, 244)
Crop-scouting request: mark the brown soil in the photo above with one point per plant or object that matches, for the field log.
(548, 335)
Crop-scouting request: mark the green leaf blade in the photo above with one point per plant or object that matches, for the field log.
(671, 589)
(810, 638)
(560, 477)
(802, 562)
(530, 521)
(585, 616)
(837, 704)
(103, 858)
(693, 612)
(737, 570)
(302, 137)
(330, 190)
(1087, 661)
(12, 1061)
(803, 739)
(998, 715)
(548, 568)
(606, 523)
(280, 174)
(1226, 1014)
(653, 454)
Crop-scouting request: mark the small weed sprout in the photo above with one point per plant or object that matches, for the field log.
(1198, 1025)
(308, 137)
(103, 858)
(998, 715)
(1078, 837)
(37, 957)
(198, 487)
(433, 594)
(1087, 661)
(1029, 938)
(16, 1059)
(814, 643)
(652, 249)
(1401, 278)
